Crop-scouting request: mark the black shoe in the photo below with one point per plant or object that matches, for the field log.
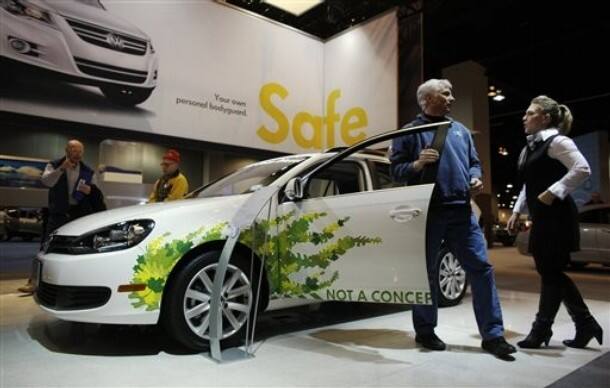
(430, 341)
(585, 333)
(28, 289)
(498, 347)
(541, 333)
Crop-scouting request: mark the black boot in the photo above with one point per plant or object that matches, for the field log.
(584, 333)
(540, 333)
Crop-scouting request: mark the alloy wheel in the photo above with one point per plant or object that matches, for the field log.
(236, 300)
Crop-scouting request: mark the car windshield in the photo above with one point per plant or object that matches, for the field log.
(93, 3)
(249, 178)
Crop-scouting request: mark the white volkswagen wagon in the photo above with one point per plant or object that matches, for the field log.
(79, 41)
(350, 235)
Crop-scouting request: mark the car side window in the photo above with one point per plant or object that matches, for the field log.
(605, 218)
(382, 179)
(591, 216)
(343, 178)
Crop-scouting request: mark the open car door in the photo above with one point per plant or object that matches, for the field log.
(338, 240)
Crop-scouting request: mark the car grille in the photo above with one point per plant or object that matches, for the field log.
(116, 73)
(109, 39)
(71, 297)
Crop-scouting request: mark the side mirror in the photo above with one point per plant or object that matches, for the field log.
(294, 189)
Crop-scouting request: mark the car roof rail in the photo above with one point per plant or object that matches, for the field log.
(335, 149)
(368, 151)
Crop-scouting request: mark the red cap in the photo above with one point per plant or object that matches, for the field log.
(172, 155)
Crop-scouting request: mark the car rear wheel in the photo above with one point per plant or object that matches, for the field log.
(126, 96)
(186, 311)
(452, 283)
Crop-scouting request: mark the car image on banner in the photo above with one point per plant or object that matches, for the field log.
(353, 235)
(79, 41)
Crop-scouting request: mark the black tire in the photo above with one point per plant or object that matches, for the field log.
(176, 303)
(126, 96)
(451, 283)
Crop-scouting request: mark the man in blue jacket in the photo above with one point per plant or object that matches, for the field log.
(450, 216)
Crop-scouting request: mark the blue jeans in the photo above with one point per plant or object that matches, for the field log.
(458, 227)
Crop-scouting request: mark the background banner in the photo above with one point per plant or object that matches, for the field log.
(199, 70)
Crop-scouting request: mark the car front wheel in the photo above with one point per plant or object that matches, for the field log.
(452, 284)
(186, 311)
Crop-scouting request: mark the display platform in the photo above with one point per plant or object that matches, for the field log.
(369, 347)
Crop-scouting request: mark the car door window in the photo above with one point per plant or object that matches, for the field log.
(604, 216)
(591, 216)
(343, 178)
(382, 179)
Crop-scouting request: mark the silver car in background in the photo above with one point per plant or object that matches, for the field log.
(594, 237)
(79, 41)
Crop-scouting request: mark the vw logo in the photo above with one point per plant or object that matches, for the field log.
(115, 41)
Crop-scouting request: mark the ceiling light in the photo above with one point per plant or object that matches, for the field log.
(509, 185)
(495, 93)
(295, 7)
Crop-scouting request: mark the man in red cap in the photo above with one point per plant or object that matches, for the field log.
(172, 185)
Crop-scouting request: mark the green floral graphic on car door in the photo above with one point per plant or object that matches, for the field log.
(279, 238)
(274, 239)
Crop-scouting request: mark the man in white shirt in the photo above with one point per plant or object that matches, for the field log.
(71, 185)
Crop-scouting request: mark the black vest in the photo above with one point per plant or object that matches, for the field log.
(555, 227)
(59, 201)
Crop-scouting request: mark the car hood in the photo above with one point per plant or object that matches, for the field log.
(97, 16)
(212, 208)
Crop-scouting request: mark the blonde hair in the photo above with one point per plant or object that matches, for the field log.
(560, 115)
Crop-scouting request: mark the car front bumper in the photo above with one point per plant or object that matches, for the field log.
(84, 288)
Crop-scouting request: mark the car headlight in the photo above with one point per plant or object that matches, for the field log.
(26, 9)
(110, 238)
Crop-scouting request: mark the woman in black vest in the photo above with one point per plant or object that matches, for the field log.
(550, 168)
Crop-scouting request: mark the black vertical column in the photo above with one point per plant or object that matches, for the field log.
(410, 62)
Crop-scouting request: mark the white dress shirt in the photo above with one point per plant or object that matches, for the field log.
(51, 175)
(563, 149)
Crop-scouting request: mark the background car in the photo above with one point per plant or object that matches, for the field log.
(24, 222)
(501, 235)
(594, 237)
(78, 41)
(2, 224)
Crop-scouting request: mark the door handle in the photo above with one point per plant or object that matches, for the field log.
(404, 213)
